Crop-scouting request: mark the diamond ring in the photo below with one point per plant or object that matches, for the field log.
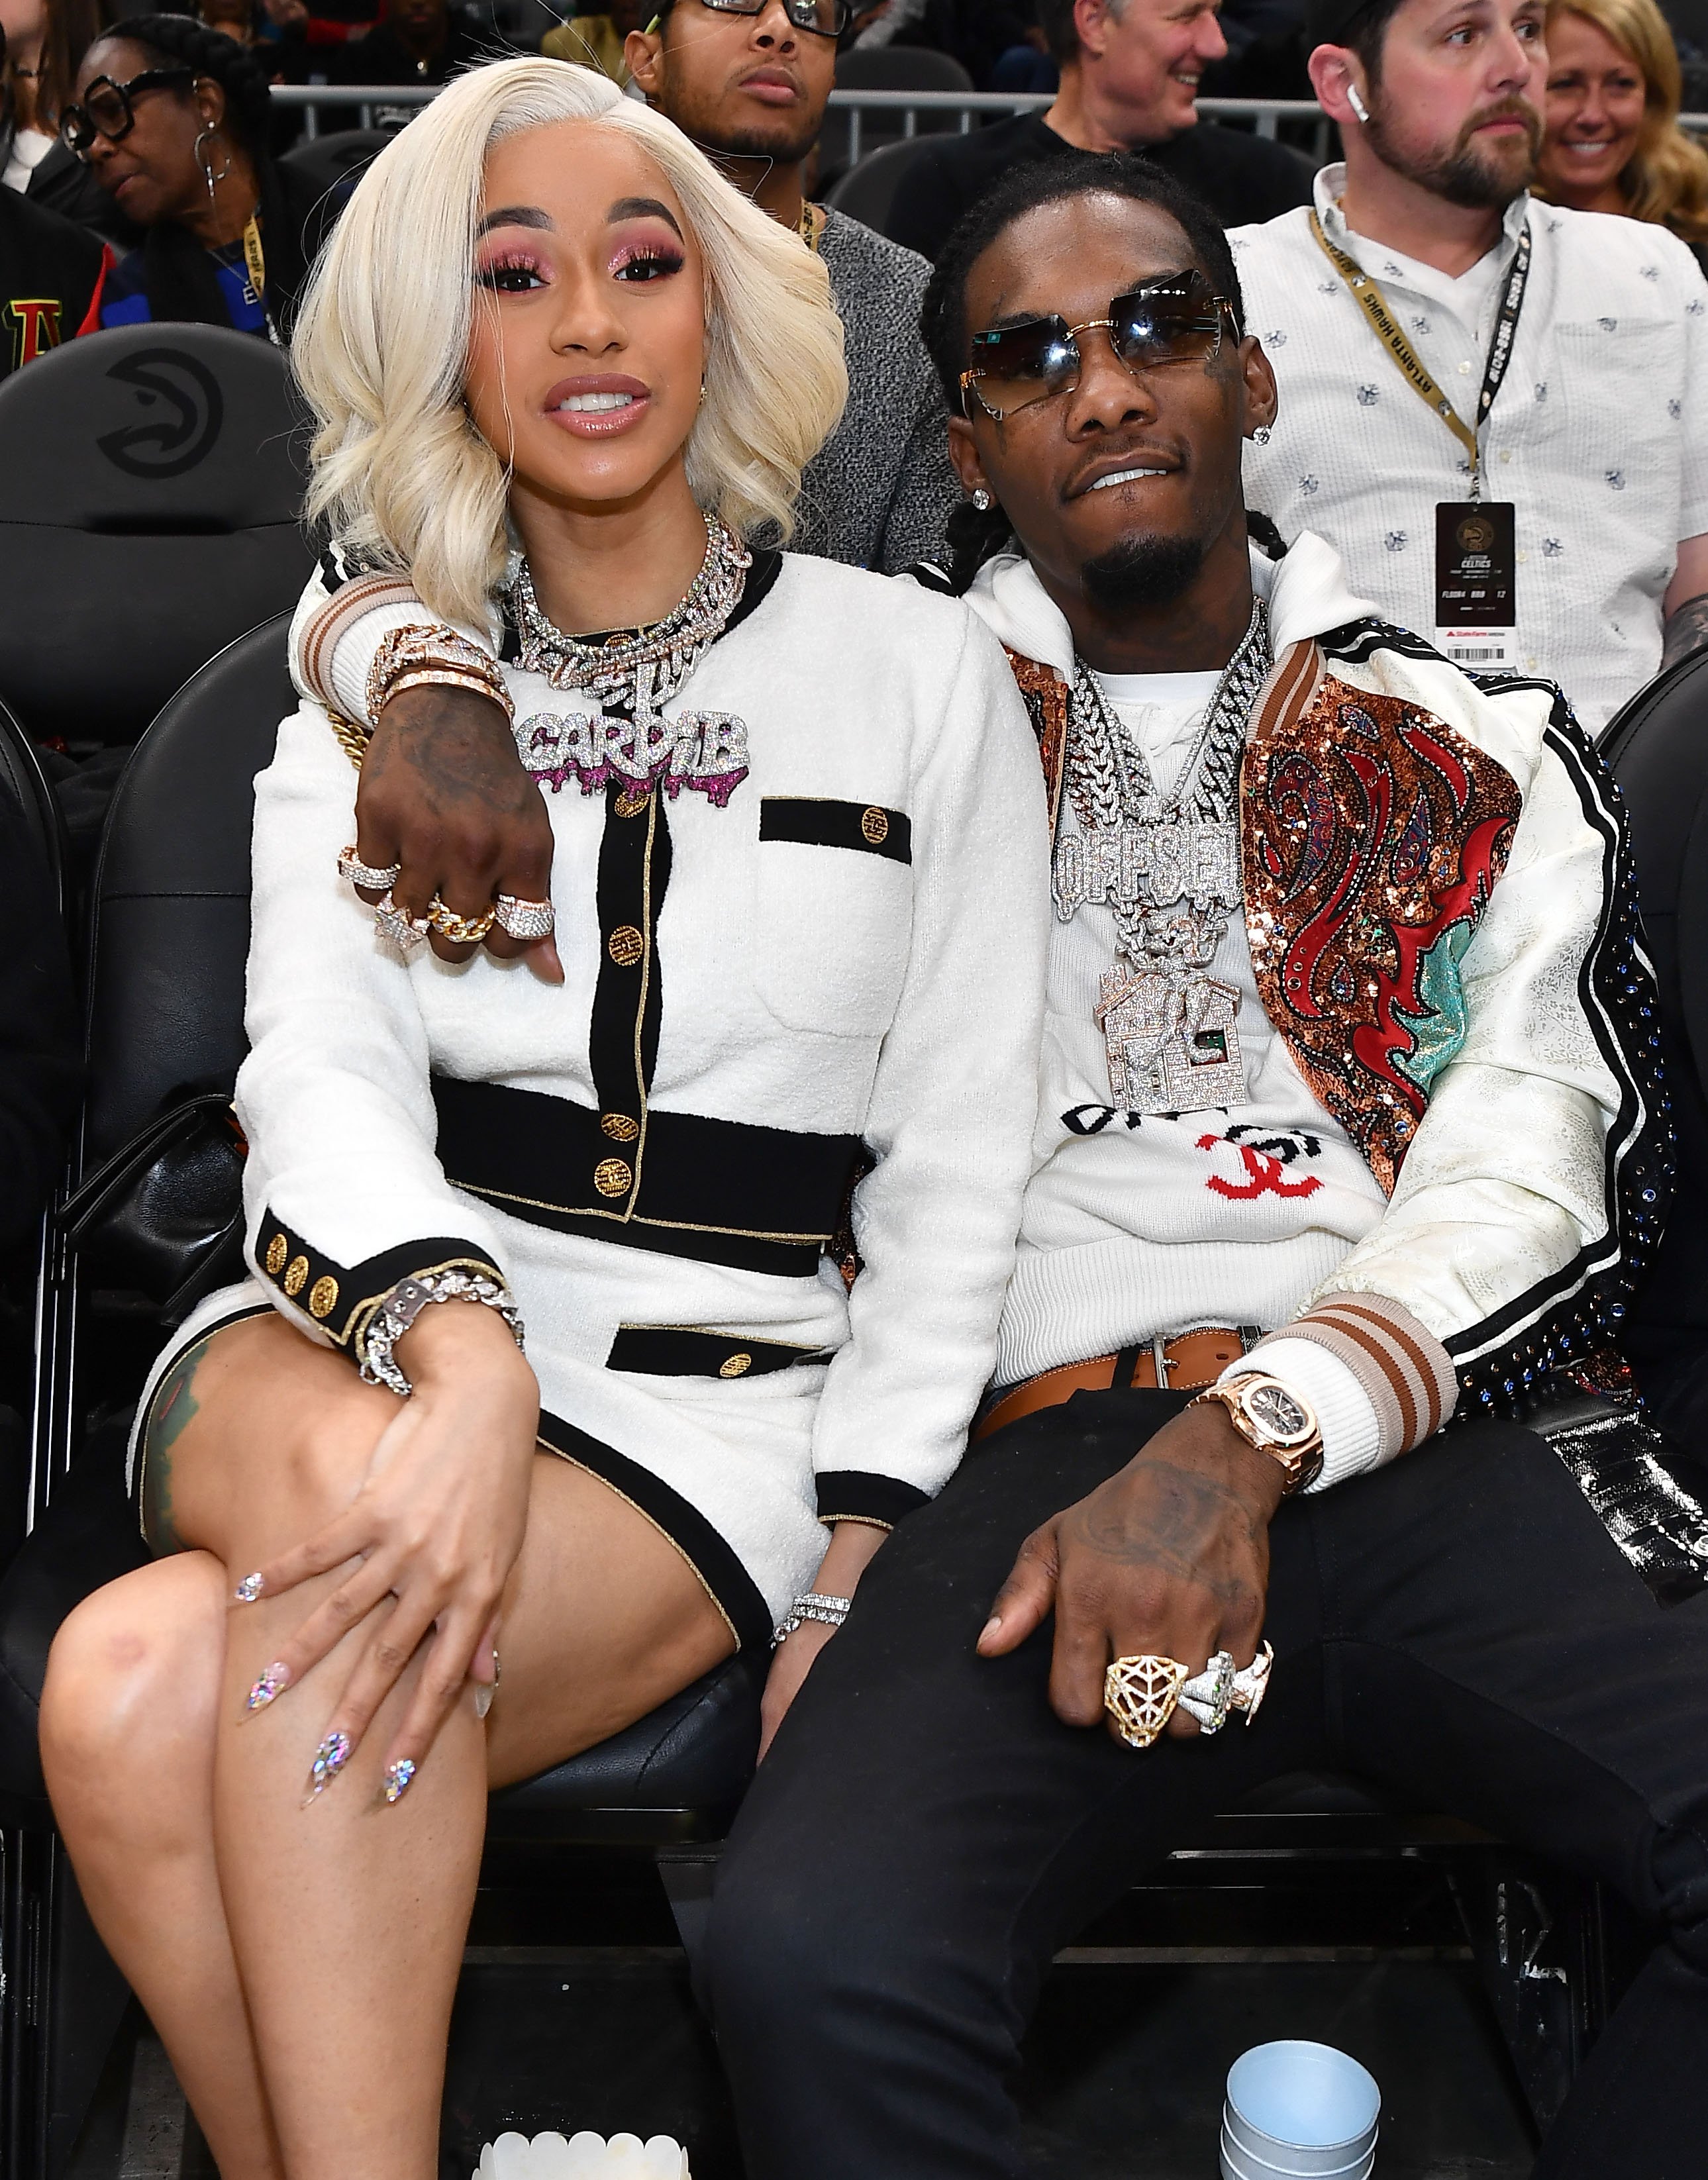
(1251, 1683)
(351, 866)
(1140, 1694)
(1208, 1696)
(391, 922)
(524, 919)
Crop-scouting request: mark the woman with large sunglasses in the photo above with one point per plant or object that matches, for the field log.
(173, 118)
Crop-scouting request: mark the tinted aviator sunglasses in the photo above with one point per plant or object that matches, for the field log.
(1177, 319)
(828, 18)
(105, 107)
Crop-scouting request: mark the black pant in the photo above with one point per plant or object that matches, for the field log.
(926, 1834)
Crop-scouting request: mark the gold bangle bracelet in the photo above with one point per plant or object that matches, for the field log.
(447, 677)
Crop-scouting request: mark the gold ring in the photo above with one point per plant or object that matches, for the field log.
(460, 930)
(1140, 1694)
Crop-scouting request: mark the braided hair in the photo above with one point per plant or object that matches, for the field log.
(976, 537)
(181, 284)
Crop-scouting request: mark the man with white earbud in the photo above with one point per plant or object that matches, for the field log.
(1496, 408)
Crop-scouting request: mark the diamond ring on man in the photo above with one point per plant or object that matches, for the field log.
(393, 923)
(460, 930)
(351, 866)
(1208, 1696)
(1140, 1694)
(1251, 1683)
(524, 919)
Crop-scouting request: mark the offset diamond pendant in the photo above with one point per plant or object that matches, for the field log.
(1172, 1042)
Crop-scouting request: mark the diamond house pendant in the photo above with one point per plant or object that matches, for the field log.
(1172, 1042)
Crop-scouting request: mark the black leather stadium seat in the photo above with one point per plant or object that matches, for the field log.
(339, 157)
(150, 484)
(1657, 747)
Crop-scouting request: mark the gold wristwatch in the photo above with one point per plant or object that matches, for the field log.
(1269, 1415)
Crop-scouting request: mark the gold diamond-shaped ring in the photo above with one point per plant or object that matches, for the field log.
(1140, 1694)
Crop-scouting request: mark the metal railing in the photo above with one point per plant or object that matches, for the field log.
(968, 106)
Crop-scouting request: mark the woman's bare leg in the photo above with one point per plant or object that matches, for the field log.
(127, 1744)
(347, 1918)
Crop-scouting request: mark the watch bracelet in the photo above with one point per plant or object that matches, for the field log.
(404, 1303)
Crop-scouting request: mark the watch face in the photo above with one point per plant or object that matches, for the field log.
(1272, 1409)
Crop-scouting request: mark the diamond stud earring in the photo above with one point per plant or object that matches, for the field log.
(982, 501)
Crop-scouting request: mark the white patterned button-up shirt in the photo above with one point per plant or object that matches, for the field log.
(1599, 434)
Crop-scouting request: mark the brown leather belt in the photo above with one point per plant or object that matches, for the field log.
(1194, 1358)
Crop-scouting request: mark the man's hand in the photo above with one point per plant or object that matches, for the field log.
(443, 793)
(1169, 1558)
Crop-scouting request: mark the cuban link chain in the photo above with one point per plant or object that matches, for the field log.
(1168, 868)
(631, 678)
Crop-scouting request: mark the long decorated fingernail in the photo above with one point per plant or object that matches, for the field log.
(248, 1589)
(398, 1779)
(484, 1692)
(329, 1759)
(274, 1680)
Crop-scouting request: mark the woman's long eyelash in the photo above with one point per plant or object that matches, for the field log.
(508, 274)
(655, 258)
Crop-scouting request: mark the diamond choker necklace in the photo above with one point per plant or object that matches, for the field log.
(632, 678)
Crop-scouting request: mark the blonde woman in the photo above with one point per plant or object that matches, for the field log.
(560, 368)
(1613, 141)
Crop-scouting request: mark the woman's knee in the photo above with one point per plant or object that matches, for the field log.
(133, 1677)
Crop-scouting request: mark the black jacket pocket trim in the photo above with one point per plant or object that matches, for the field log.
(819, 823)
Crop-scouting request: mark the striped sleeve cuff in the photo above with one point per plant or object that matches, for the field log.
(329, 624)
(1404, 1369)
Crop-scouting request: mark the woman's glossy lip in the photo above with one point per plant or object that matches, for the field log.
(602, 423)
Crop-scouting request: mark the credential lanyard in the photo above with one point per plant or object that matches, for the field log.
(253, 258)
(1374, 304)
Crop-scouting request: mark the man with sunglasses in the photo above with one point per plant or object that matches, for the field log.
(1346, 1043)
(1496, 409)
(748, 80)
(1130, 72)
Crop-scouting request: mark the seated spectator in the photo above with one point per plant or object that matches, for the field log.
(1613, 141)
(51, 276)
(415, 42)
(1550, 365)
(1130, 70)
(749, 86)
(595, 38)
(43, 42)
(173, 120)
(977, 33)
(240, 19)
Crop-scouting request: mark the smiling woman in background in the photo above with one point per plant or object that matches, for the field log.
(1613, 142)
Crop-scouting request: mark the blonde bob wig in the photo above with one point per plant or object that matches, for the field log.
(1666, 179)
(399, 473)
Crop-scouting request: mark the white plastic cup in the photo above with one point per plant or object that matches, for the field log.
(1299, 2108)
(1238, 2164)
